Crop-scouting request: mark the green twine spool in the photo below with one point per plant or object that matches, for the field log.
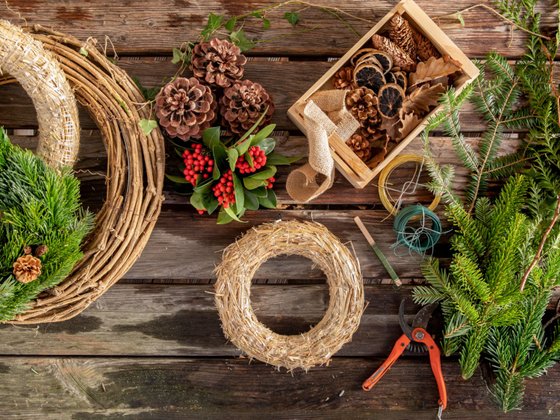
(418, 239)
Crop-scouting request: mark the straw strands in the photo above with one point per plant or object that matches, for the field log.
(311, 240)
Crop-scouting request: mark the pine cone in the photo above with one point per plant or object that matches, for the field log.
(185, 108)
(424, 47)
(400, 57)
(218, 62)
(243, 104)
(27, 268)
(344, 78)
(362, 103)
(400, 32)
(360, 144)
(41, 250)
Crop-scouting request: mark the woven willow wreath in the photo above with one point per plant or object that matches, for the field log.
(42, 78)
(135, 173)
(243, 258)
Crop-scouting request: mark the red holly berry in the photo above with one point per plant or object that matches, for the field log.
(224, 191)
(198, 164)
(270, 183)
(259, 160)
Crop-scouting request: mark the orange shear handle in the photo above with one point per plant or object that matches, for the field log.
(398, 349)
(435, 362)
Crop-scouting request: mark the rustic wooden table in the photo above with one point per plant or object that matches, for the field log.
(152, 346)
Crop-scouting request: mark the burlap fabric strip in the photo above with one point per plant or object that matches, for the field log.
(134, 177)
(41, 77)
(325, 115)
(311, 240)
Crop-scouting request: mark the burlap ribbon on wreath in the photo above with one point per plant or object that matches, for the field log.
(325, 115)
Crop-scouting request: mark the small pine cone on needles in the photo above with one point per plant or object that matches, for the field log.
(400, 32)
(27, 268)
(242, 105)
(344, 78)
(362, 103)
(218, 62)
(185, 108)
(360, 145)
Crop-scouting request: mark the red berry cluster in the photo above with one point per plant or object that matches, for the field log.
(259, 160)
(270, 183)
(197, 162)
(224, 190)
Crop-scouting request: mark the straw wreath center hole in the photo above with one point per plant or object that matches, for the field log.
(289, 294)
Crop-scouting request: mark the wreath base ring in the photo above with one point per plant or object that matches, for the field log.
(312, 240)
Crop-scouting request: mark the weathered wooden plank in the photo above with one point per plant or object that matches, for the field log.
(94, 388)
(158, 26)
(278, 77)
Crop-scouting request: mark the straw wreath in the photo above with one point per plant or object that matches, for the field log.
(135, 173)
(233, 294)
(42, 78)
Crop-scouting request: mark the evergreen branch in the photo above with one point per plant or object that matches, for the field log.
(541, 245)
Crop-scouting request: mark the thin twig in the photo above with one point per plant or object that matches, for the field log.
(494, 11)
(541, 246)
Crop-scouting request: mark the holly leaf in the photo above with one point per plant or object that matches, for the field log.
(251, 200)
(230, 24)
(211, 137)
(266, 173)
(223, 217)
(213, 24)
(240, 39)
(239, 192)
(147, 126)
(269, 201)
(252, 183)
(275, 159)
(292, 17)
(232, 155)
(177, 179)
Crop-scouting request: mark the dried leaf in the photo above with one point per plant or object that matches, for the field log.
(409, 123)
(391, 126)
(432, 69)
(422, 99)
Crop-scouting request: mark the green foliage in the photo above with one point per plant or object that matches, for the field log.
(38, 206)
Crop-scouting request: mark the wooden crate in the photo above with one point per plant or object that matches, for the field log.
(346, 161)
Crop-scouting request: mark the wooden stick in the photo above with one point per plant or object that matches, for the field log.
(541, 246)
(378, 252)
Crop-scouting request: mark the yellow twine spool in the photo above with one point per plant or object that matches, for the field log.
(384, 176)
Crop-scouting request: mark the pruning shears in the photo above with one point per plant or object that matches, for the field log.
(416, 339)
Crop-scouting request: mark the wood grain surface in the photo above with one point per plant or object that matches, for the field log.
(152, 346)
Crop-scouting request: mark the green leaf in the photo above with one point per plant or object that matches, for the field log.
(251, 183)
(211, 137)
(262, 134)
(197, 200)
(213, 24)
(276, 159)
(260, 192)
(257, 14)
(251, 200)
(216, 172)
(243, 147)
(220, 156)
(210, 203)
(147, 126)
(266, 173)
(203, 187)
(230, 24)
(269, 201)
(232, 214)
(83, 52)
(266, 23)
(178, 56)
(239, 192)
(233, 155)
(223, 217)
(267, 145)
(249, 160)
(292, 17)
(240, 39)
(177, 179)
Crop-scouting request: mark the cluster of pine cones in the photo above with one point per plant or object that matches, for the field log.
(185, 107)
(392, 84)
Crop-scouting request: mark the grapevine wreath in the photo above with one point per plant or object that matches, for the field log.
(135, 172)
(233, 294)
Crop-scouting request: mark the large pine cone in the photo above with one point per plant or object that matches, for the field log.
(185, 108)
(360, 144)
(218, 62)
(242, 105)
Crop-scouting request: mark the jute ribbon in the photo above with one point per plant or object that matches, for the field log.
(325, 115)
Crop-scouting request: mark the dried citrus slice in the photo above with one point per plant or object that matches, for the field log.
(370, 76)
(391, 98)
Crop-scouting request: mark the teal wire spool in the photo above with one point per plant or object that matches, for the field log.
(418, 239)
